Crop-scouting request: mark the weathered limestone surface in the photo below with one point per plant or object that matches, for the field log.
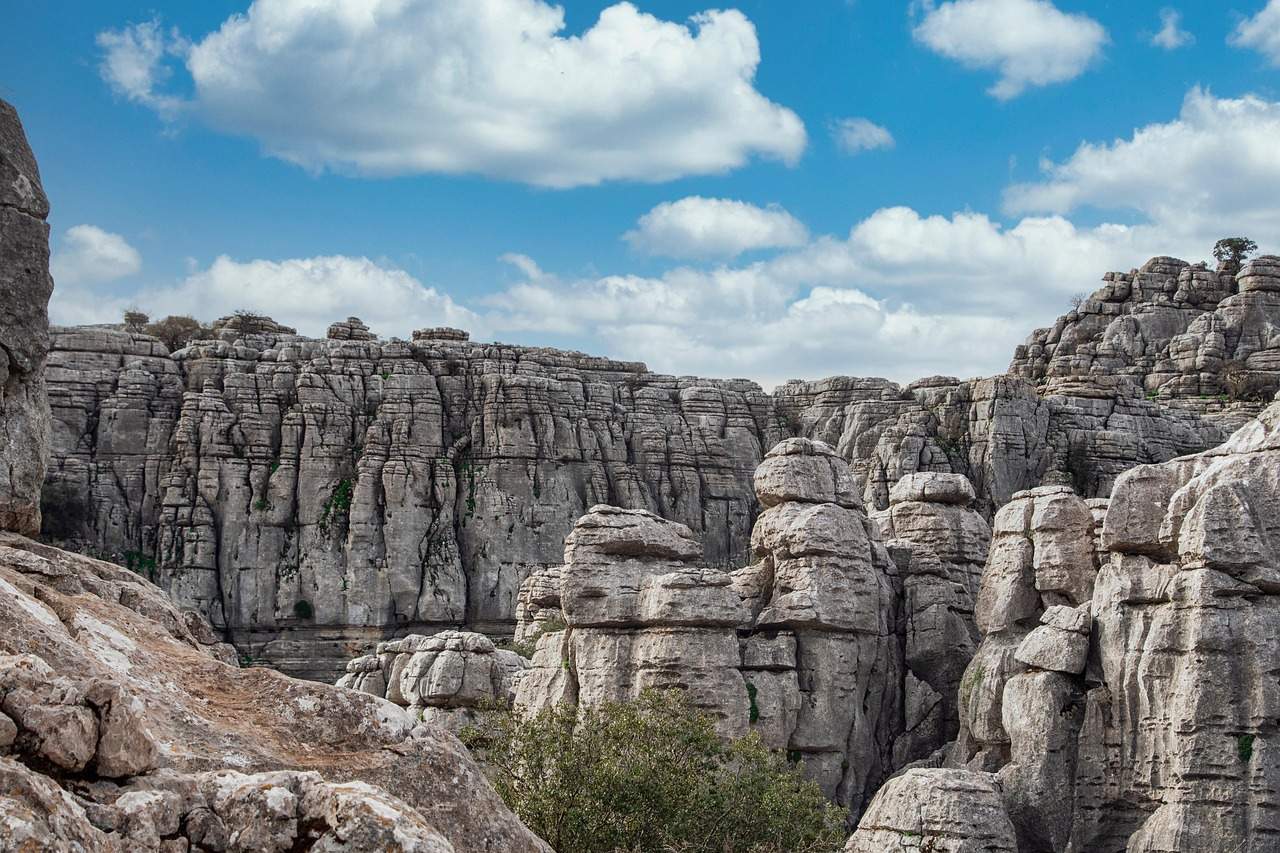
(939, 544)
(1131, 706)
(122, 730)
(1199, 339)
(1005, 434)
(936, 810)
(316, 496)
(25, 286)
(441, 679)
(803, 645)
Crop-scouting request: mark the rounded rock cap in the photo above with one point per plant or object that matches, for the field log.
(805, 471)
(929, 487)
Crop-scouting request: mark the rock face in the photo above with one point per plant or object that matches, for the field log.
(1005, 434)
(941, 811)
(939, 544)
(801, 646)
(25, 286)
(1203, 340)
(316, 496)
(121, 729)
(441, 679)
(1128, 706)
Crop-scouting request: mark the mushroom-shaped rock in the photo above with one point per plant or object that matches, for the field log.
(806, 471)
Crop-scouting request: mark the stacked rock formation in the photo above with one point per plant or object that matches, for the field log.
(801, 646)
(1042, 563)
(25, 286)
(939, 544)
(315, 497)
(122, 728)
(1201, 339)
(1005, 434)
(441, 679)
(1126, 707)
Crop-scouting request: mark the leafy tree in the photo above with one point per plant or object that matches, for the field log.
(650, 775)
(176, 331)
(1231, 252)
(135, 320)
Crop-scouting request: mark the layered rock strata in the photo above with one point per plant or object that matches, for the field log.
(802, 646)
(443, 679)
(1125, 705)
(1200, 339)
(25, 286)
(313, 497)
(122, 729)
(939, 544)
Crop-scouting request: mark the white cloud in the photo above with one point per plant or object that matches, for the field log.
(88, 255)
(1215, 168)
(308, 293)
(903, 295)
(1171, 35)
(854, 135)
(697, 227)
(1261, 32)
(1030, 42)
(487, 87)
(133, 63)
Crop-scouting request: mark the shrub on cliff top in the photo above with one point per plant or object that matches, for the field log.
(650, 775)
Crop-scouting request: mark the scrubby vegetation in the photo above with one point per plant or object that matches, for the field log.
(650, 775)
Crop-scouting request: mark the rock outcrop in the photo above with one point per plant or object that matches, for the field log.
(122, 729)
(939, 811)
(1195, 338)
(25, 286)
(801, 646)
(316, 496)
(1127, 706)
(939, 544)
(441, 679)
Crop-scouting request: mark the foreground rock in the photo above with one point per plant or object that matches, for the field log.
(123, 728)
(25, 286)
(802, 646)
(940, 811)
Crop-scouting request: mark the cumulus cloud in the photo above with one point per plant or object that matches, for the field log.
(902, 295)
(308, 293)
(1216, 167)
(134, 63)
(489, 87)
(1171, 35)
(855, 135)
(1030, 42)
(697, 227)
(89, 255)
(1261, 32)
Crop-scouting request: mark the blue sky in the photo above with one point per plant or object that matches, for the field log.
(633, 183)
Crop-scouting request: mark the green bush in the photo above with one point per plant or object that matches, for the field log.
(303, 609)
(650, 775)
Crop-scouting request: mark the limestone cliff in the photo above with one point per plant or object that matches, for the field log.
(25, 286)
(314, 497)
